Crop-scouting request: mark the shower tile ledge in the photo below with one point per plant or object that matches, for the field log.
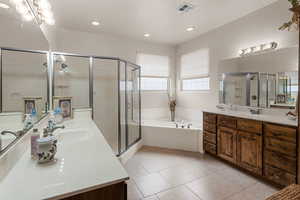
(84, 162)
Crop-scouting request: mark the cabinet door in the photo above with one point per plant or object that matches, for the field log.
(249, 151)
(227, 144)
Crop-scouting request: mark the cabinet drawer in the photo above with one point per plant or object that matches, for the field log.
(279, 176)
(209, 117)
(210, 127)
(281, 132)
(249, 125)
(280, 146)
(211, 148)
(280, 161)
(226, 121)
(210, 137)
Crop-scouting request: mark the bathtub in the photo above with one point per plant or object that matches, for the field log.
(163, 133)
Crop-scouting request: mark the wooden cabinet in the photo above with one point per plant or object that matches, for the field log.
(112, 192)
(280, 154)
(226, 121)
(210, 133)
(249, 151)
(227, 144)
(266, 149)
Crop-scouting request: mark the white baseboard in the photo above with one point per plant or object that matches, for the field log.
(130, 152)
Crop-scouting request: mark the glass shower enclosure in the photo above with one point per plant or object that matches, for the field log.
(110, 87)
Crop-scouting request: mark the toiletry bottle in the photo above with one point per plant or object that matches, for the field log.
(28, 121)
(35, 135)
(58, 115)
(34, 116)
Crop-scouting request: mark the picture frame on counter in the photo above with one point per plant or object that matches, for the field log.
(33, 103)
(65, 104)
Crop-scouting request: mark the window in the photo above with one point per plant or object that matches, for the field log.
(154, 72)
(154, 84)
(194, 71)
(195, 84)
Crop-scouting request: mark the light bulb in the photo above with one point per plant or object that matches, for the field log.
(50, 21)
(17, 1)
(44, 5)
(21, 8)
(28, 17)
(47, 14)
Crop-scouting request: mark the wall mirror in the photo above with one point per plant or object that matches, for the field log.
(23, 77)
(268, 80)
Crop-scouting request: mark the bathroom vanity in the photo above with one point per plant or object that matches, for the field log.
(85, 167)
(263, 145)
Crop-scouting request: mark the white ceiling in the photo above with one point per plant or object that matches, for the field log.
(160, 18)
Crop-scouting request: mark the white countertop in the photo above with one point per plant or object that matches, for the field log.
(272, 118)
(85, 162)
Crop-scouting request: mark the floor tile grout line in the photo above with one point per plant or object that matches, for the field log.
(192, 192)
(235, 193)
(170, 188)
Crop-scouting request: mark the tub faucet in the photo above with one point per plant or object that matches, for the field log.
(189, 125)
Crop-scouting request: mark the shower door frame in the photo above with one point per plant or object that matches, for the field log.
(91, 95)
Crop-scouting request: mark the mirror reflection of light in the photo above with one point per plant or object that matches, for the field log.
(223, 76)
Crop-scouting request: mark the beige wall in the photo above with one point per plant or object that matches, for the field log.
(225, 42)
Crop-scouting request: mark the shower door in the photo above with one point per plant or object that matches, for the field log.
(105, 100)
(133, 103)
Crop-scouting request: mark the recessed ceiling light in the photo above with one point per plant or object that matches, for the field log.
(189, 29)
(146, 35)
(95, 23)
(5, 6)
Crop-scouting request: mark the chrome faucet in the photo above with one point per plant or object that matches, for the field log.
(51, 128)
(16, 134)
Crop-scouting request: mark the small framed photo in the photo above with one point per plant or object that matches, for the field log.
(65, 104)
(33, 103)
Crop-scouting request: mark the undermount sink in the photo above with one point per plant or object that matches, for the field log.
(6, 140)
(72, 136)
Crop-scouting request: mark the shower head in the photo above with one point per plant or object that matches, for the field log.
(60, 59)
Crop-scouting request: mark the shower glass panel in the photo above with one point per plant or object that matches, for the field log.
(71, 79)
(105, 100)
(122, 99)
(133, 100)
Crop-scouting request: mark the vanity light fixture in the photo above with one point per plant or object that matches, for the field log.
(38, 9)
(3, 5)
(146, 35)
(258, 49)
(191, 28)
(95, 23)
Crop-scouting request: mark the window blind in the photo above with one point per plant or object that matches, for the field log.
(195, 64)
(153, 65)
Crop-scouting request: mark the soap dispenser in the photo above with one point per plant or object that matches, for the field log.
(35, 135)
(34, 116)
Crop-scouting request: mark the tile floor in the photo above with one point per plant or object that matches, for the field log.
(162, 174)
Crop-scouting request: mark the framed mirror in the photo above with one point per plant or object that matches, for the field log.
(23, 77)
(267, 80)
